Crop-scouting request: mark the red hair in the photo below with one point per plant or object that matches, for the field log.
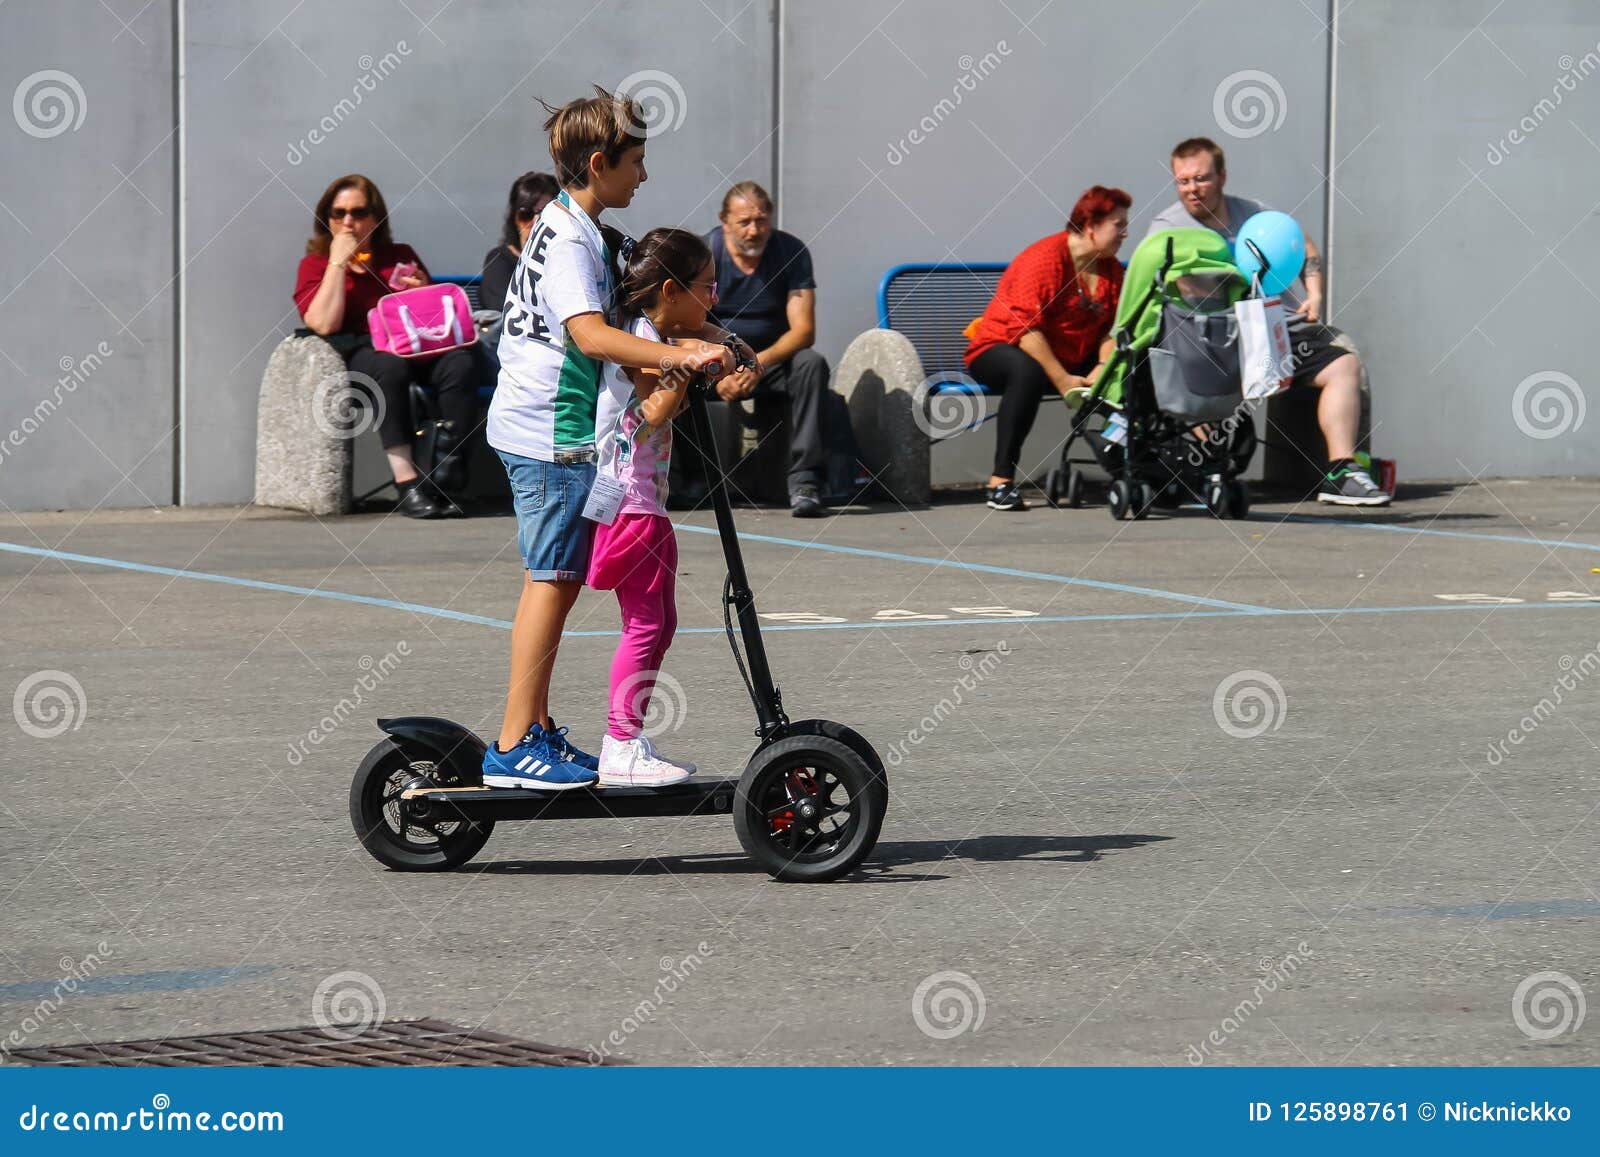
(1097, 203)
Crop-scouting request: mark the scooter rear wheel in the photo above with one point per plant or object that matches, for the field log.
(429, 844)
(807, 809)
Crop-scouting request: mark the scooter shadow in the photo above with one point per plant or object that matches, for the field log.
(885, 865)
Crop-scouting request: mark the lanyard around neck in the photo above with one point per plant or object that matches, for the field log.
(585, 222)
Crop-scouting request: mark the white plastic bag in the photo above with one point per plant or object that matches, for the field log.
(1266, 358)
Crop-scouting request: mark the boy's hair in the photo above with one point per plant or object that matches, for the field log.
(605, 123)
(661, 255)
(1195, 145)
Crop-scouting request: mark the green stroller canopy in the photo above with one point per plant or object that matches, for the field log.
(1201, 274)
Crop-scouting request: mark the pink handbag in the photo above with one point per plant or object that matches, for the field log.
(422, 322)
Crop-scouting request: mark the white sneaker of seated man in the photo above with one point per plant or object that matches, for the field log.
(636, 763)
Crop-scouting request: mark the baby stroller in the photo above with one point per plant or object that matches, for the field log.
(1166, 417)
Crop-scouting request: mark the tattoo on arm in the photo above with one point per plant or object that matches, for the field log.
(1313, 264)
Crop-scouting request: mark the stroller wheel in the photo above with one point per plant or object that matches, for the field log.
(1219, 497)
(1144, 497)
(1118, 499)
(1052, 485)
(1075, 488)
(1238, 498)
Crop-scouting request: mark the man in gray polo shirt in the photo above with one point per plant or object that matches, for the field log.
(1200, 172)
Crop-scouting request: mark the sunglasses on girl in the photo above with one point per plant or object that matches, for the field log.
(359, 213)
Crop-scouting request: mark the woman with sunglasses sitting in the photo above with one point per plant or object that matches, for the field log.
(530, 193)
(351, 261)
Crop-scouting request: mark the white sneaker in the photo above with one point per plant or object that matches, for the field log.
(633, 763)
(685, 764)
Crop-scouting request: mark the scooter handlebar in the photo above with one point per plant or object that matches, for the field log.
(744, 358)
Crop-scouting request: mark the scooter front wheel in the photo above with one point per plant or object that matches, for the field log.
(856, 742)
(407, 843)
(807, 809)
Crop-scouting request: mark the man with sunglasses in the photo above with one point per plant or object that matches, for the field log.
(767, 296)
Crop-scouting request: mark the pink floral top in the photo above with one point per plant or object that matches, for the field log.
(631, 450)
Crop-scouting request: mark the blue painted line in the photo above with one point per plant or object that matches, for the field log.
(1136, 616)
(983, 568)
(1506, 911)
(1393, 528)
(1228, 611)
(991, 621)
(257, 584)
(180, 980)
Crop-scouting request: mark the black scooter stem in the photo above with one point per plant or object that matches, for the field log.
(763, 693)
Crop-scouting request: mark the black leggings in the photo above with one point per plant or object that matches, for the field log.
(453, 377)
(1021, 383)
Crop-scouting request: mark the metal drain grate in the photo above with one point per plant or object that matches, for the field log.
(395, 1042)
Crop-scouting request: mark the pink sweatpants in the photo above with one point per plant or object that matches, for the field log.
(637, 556)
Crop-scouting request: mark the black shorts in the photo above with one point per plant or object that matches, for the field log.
(1314, 351)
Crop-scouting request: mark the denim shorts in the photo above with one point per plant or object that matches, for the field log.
(553, 536)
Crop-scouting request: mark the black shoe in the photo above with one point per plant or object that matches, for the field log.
(1006, 496)
(804, 503)
(441, 498)
(416, 501)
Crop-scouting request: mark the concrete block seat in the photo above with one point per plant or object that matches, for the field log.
(894, 377)
(303, 455)
(306, 424)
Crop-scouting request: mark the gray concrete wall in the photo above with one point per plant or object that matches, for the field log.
(443, 128)
(1040, 101)
(1460, 249)
(1466, 234)
(906, 138)
(86, 254)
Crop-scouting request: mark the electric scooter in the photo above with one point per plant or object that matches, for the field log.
(808, 807)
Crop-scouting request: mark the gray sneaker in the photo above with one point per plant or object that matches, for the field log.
(804, 503)
(1350, 485)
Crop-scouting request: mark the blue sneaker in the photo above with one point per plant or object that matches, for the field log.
(558, 739)
(534, 763)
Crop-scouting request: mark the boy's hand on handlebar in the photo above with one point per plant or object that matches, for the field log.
(705, 358)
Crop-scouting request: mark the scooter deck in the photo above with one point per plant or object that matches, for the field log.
(692, 797)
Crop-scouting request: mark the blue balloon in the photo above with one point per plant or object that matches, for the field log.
(1278, 239)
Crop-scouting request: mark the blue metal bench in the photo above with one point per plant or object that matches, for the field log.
(468, 282)
(931, 304)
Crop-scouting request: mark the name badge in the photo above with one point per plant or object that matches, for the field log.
(605, 499)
